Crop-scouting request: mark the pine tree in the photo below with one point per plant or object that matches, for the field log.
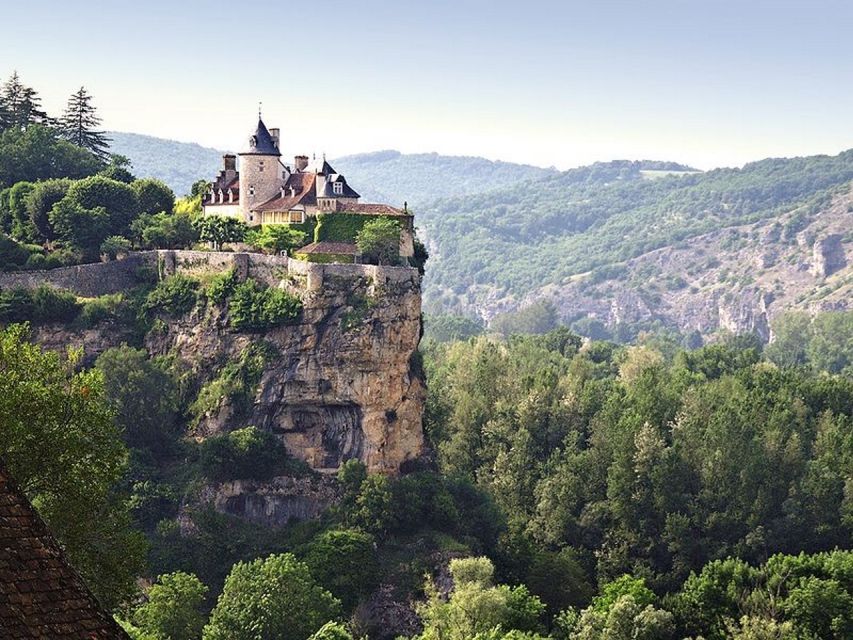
(79, 123)
(20, 105)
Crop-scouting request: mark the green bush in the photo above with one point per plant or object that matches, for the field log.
(54, 305)
(379, 241)
(222, 286)
(175, 295)
(13, 254)
(115, 246)
(242, 454)
(276, 238)
(256, 308)
(236, 382)
(44, 304)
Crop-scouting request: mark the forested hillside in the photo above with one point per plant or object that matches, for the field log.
(382, 176)
(178, 164)
(394, 177)
(502, 246)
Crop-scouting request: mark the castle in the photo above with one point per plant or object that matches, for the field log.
(266, 191)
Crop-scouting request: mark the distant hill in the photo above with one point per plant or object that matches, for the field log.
(383, 176)
(606, 242)
(394, 177)
(178, 164)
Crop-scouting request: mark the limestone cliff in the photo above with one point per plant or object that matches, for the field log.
(343, 382)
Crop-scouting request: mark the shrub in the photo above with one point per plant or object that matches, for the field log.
(40, 201)
(276, 238)
(241, 454)
(44, 304)
(173, 607)
(220, 229)
(115, 246)
(175, 295)
(379, 240)
(13, 255)
(256, 308)
(54, 305)
(222, 286)
(164, 230)
(236, 382)
(344, 561)
(99, 309)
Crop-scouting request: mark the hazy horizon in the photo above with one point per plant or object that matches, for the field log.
(554, 84)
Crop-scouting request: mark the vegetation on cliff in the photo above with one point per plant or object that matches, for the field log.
(601, 486)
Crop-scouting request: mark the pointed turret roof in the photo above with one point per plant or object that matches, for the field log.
(261, 142)
(324, 168)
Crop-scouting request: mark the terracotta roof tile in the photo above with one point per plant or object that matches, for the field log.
(343, 248)
(372, 209)
(303, 185)
(41, 595)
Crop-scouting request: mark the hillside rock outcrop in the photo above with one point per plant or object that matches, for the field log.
(828, 255)
(344, 382)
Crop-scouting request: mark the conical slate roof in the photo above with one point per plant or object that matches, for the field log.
(261, 142)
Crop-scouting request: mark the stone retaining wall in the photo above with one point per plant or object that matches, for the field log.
(88, 280)
(101, 278)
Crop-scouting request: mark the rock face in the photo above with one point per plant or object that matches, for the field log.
(737, 279)
(276, 502)
(828, 256)
(343, 383)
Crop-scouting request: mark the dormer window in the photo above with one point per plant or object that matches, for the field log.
(338, 188)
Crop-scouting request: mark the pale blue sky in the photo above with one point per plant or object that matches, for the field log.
(710, 83)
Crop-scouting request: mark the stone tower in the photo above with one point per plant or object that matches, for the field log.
(261, 173)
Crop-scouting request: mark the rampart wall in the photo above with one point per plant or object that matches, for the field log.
(101, 278)
(87, 280)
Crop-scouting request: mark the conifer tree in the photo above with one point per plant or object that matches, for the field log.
(20, 105)
(79, 125)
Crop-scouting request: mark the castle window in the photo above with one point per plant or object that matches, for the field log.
(251, 189)
(261, 165)
(338, 187)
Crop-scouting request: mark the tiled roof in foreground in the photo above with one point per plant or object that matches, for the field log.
(41, 595)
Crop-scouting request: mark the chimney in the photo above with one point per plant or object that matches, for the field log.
(300, 162)
(230, 163)
(274, 133)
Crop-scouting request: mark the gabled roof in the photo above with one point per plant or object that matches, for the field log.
(41, 595)
(328, 190)
(261, 143)
(369, 209)
(339, 248)
(304, 193)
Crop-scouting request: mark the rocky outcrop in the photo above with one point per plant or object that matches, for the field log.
(344, 381)
(734, 280)
(276, 502)
(828, 256)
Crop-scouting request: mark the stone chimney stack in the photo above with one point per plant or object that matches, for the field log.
(229, 162)
(300, 163)
(274, 134)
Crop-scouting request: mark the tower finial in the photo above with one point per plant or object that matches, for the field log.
(260, 104)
